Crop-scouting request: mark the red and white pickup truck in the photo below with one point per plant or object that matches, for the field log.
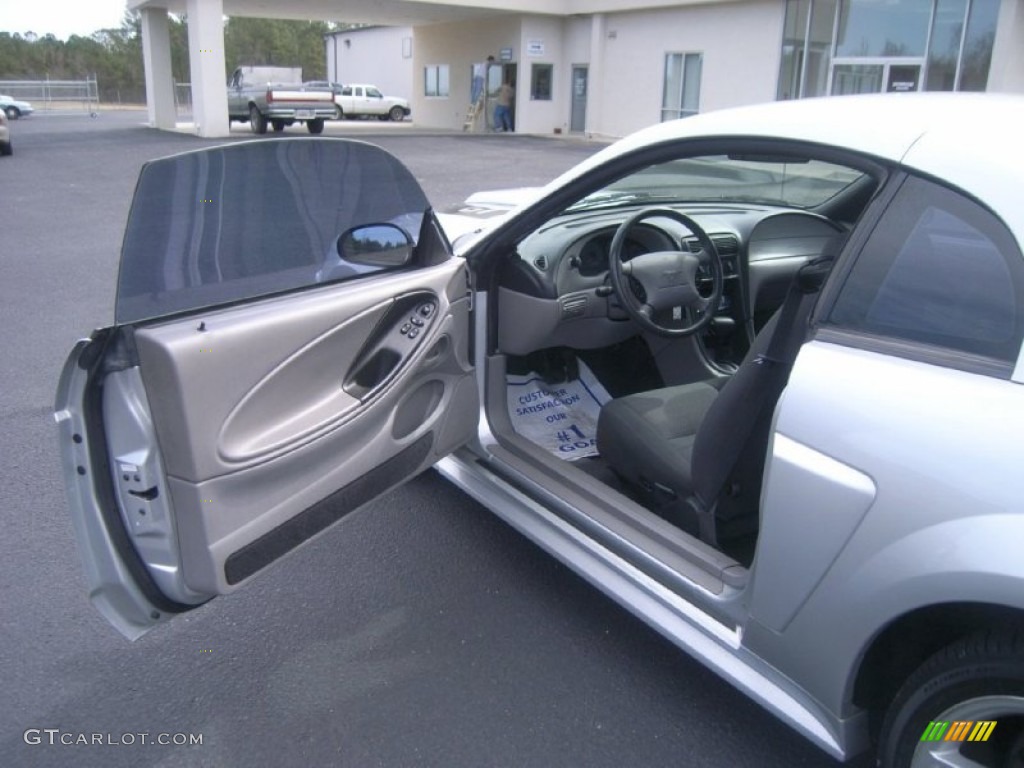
(275, 96)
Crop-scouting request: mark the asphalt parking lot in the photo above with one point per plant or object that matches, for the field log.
(419, 632)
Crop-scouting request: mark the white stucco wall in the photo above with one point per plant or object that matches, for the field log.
(740, 41)
(548, 33)
(741, 44)
(1006, 74)
(458, 46)
(373, 55)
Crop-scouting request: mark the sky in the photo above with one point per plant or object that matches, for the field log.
(62, 18)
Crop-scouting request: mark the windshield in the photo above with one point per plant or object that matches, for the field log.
(248, 219)
(722, 178)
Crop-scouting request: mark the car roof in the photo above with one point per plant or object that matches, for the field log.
(967, 139)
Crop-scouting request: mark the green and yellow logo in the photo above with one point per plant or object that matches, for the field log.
(959, 730)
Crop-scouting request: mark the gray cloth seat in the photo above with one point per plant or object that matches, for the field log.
(698, 451)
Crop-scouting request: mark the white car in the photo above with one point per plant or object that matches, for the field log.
(755, 374)
(14, 108)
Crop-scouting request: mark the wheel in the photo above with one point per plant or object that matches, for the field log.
(339, 113)
(278, 124)
(977, 681)
(257, 121)
(652, 286)
(316, 125)
(12, 112)
(397, 114)
(6, 149)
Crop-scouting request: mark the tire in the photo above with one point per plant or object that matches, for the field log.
(13, 113)
(339, 113)
(257, 121)
(397, 114)
(315, 126)
(979, 678)
(277, 124)
(6, 149)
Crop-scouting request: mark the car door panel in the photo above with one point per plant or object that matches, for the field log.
(255, 426)
(291, 341)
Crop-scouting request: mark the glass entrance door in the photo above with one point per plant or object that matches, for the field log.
(876, 77)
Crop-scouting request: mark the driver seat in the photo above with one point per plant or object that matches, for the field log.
(697, 451)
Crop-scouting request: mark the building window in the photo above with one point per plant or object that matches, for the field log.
(807, 48)
(867, 46)
(976, 55)
(541, 76)
(681, 97)
(435, 80)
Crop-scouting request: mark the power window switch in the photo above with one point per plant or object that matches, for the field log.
(404, 330)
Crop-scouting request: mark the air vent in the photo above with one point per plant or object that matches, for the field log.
(541, 262)
(574, 306)
(726, 245)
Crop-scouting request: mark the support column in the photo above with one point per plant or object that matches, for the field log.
(595, 75)
(156, 60)
(206, 63)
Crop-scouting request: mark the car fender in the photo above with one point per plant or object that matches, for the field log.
(950, 561)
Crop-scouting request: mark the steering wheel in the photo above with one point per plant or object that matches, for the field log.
(668, 278)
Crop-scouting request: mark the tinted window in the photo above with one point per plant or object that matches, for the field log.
(940, 270)
(234, 222)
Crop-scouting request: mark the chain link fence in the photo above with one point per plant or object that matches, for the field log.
(55, 96)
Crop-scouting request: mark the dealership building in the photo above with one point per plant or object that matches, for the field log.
(608, 67)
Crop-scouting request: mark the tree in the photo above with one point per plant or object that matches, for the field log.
(114, 56)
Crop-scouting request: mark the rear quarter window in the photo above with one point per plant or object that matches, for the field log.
(939, 271)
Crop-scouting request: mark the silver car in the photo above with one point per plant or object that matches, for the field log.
(755, 374)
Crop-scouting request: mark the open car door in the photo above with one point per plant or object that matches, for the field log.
(290, 341)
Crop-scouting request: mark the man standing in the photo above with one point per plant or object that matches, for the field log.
(503, 110)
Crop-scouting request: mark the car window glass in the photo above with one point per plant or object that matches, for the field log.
(346, 91)
(798, 183)
(233, 222)
(940, 270)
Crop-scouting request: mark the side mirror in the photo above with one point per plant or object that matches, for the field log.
(376, 245)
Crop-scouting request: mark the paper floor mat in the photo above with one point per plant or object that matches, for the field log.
(561, 418)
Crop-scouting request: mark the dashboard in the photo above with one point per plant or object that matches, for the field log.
(557, 293)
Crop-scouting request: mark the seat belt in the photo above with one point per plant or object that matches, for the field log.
(784, 344)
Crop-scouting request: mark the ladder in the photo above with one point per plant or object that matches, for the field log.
(472, 113)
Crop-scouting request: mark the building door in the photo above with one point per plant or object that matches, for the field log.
(578, 116)
(497, 75)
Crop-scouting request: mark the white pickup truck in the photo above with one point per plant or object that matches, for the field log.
(275, 96)
(365, 101)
